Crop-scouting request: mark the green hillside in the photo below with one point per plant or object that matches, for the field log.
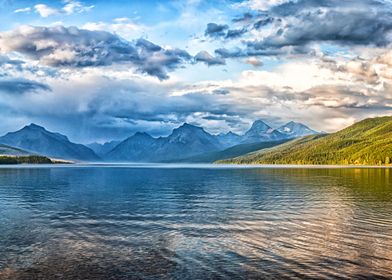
(368, 142)
(231, 152)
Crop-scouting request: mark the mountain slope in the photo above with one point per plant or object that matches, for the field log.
(229, 139)
(138, 147)
(366, 142)
(102, 149)
(185, 141)
(11, 151)
(37, 139)
(295, 130)
(261, 132)
(234, 151)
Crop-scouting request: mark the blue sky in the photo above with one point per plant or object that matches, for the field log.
(101, 70)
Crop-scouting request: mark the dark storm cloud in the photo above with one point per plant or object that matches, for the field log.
(346, 27)
(235, 33)
(292, 26)
(72, 47)
(216, 30)
(263, 22)
(243, 18)
(21, 86)
(250, 51)
(226, 53)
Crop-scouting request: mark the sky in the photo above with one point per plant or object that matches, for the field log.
(102, 70)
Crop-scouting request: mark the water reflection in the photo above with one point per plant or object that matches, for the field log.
(127, 223)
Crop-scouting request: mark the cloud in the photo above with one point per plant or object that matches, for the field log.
(261, 4)
(235, 33)
(247, 16)
(72, 47)
(372, 69)
(216, 30)
(111, 104)
(233, 53)
(208, 59)
(70, 7)
(254, 62)
(4, 60)
(298, 27)
(23, 10)
(358, 26)
(263, 22)
(124, 27)
(21, 86)
(44, 10)
(117, 96)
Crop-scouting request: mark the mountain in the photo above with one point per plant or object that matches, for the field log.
(188, 140)
(37, 139)
(102, 149)
(228, 139)
(138, 147)
(261, 132)
(366, 142)
(234, 151)
(185, 141)
(295, 130)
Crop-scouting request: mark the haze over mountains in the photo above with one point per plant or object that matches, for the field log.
(184, 142)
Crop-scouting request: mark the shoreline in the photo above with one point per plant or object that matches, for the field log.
(63, 164)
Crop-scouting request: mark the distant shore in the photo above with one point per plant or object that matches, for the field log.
(30, 159)
(192, 165)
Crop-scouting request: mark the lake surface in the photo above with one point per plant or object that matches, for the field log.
(143, 222)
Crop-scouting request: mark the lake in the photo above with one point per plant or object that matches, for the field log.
(198, 222)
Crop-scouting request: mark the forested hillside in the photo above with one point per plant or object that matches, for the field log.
(368, 142)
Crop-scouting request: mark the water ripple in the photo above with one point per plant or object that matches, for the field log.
(195, 223)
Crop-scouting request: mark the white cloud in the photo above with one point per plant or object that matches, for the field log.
(70, 7)
(260, 4)
(23, 10)
(123, 27)
(44, 10)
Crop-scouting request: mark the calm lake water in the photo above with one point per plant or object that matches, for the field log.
(124, 222)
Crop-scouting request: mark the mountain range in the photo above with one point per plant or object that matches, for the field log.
(188, 141)
(368, 142)
(185, 142)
